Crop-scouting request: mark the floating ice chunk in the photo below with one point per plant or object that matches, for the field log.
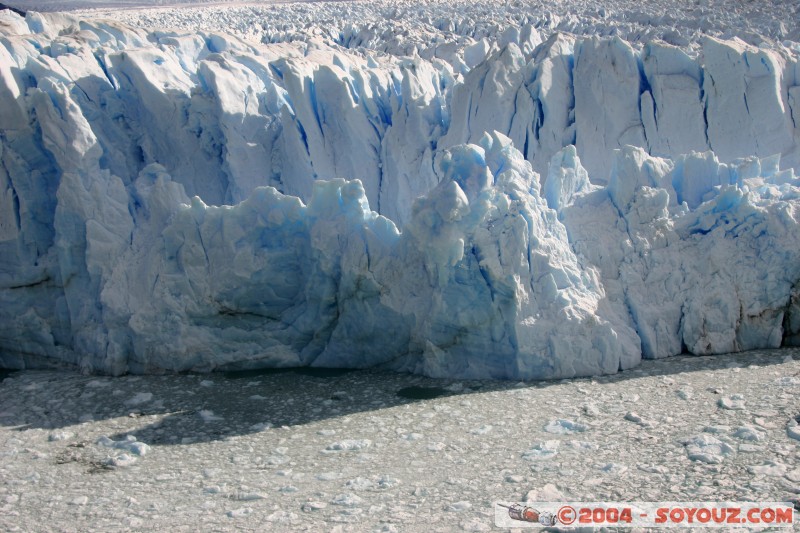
(685, 393)
(788, 381)
(349, 445)
(793, 430)
(247, 496)
(347, 500)
(459, 506)
(60, 435)
(564, 427)
(707, 449)
(385, 482)
(130, 444)
(140, 398)
(735, 402)
(281, 517)
(591, 409)
(208, 416)
(542, 450)
(548, 493)
(637, 419)
(613, 468)
(769, 468)
(314, 506)
(242, 512)
(582, 445)
(750, 448)
(80, 500)
(749, 433)
(359, 483)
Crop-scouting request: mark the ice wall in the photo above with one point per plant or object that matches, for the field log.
(602, 95)
(192, 201)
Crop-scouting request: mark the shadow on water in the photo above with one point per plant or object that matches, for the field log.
(313, 372)
(189, 408)
(414, 392)
(421, 393)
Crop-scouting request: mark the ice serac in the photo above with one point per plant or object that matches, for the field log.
(607, 84)
(601, 94)
(485, 101)
(567, 179)
(174, 201)
(530, 98)
(672, 106)
(746, 100)
(505, 288)
(551, 89)
(708, 276)
(481, 283)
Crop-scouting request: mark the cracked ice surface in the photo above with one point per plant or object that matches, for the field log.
(545, 206)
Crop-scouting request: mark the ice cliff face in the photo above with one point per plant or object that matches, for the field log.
(191, 201)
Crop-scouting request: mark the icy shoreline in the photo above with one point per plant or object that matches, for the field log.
(174, 201)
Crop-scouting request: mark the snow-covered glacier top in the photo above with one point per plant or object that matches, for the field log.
(440, 28)
(484, 196)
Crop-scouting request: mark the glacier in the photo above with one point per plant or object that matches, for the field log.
(546, 205)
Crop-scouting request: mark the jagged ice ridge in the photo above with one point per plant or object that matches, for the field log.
(552, 207)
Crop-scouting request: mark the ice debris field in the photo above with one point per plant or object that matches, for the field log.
(508, 194)
(371, 451)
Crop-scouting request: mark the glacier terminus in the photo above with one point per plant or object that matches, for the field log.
(532, 204)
